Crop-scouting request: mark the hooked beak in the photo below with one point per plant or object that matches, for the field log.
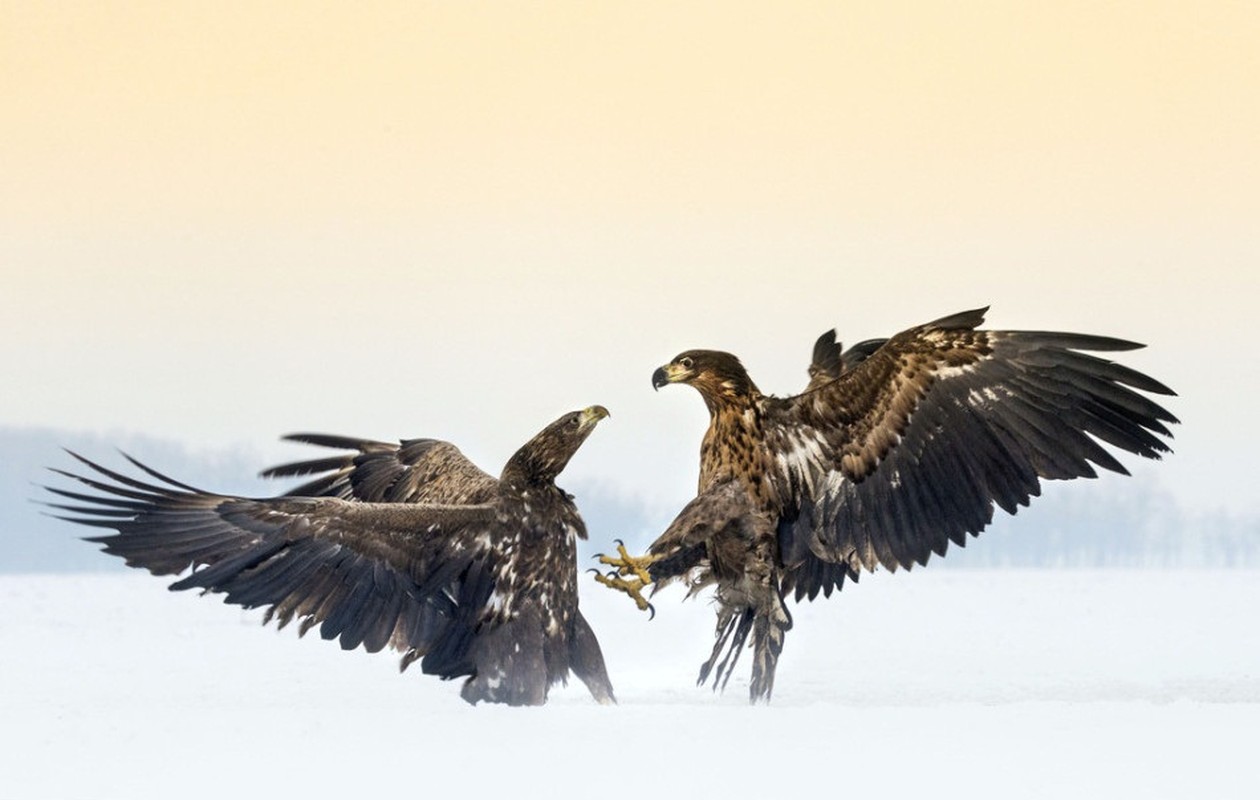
(592, 415)
(670, 373)
(659, 379)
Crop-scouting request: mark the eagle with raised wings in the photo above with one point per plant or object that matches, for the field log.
(409, 545)
(887, 457)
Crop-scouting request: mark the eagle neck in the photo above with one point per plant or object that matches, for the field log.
(730, 399)
(523, 472)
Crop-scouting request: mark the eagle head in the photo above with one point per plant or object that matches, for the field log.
(545, 456)
(716, 375)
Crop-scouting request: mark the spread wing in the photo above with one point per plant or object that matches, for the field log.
(413, 471)
(914, 447)
(416, 577)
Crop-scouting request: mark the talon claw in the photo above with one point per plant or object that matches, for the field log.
(633, 588)
(629, 574)
(628, 565)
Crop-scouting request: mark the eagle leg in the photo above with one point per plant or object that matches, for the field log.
(634, 588)
(627, 564)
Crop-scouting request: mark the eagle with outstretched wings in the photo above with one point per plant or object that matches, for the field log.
(409, 546)
(885, 459)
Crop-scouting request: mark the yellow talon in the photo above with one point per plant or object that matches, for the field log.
(634, 588)
(627, 564)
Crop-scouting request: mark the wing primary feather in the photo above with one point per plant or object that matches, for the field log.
(1114, 429)
(294, 468)
(1058, 340)
(119, 478)
(152, 496)
(164, 478)
(333, 441)
(132, 505)
(95, 511)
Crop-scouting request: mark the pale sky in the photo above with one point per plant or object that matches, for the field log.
(224, 222)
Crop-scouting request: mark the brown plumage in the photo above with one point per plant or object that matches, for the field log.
(883, 461)
(412, 471)
(472, 576)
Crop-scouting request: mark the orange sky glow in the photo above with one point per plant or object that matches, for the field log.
(205, 206)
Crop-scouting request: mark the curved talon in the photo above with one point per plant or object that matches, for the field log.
(627, 564)
(633, 588)
(607, 559)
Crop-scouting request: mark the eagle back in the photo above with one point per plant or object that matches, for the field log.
(539, 531)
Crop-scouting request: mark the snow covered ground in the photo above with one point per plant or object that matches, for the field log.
(978, 684)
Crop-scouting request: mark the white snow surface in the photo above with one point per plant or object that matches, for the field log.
(946, 683)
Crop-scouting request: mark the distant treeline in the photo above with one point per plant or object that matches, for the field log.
(1112, 522)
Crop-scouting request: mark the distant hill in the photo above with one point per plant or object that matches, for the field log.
(1112, 522)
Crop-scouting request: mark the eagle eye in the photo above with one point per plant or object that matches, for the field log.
(686, 362)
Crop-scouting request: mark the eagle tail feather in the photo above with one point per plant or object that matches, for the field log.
(733, 626)
(768, 626)
(769, 631)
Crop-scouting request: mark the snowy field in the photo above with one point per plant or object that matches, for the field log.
(942, 683)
